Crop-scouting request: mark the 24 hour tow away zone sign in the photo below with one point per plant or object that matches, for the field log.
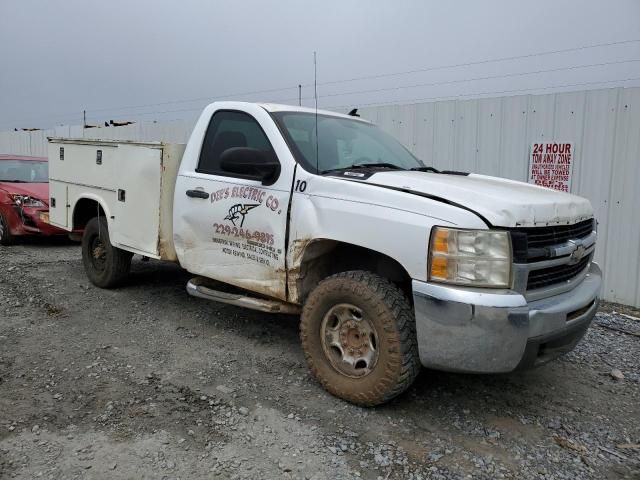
(551, 164)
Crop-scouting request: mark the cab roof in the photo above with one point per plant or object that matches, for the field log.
(276, 107)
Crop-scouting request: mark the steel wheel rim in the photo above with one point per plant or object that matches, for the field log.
(98, 253)
(349, 340)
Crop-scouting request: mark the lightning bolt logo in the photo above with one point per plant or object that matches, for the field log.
(239, 211)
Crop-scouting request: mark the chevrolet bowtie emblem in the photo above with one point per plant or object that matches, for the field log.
(578, 252)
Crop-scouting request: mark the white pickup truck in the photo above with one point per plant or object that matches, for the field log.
(391, 263)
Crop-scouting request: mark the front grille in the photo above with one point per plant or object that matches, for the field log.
(540, 237)
(552, 275)
(532, 244)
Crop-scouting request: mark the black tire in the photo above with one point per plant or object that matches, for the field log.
(5, 235)
(105, 265)
(387, 310)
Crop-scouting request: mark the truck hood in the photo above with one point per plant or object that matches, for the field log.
(502, 202)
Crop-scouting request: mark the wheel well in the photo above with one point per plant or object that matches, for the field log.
(84, 211)
(323, 258)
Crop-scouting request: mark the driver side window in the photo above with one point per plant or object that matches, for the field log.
(228, 129)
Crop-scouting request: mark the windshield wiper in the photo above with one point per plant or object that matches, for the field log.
(366, 165)
(381, 165)
(434, 170)
(424, 169)
(15, 181)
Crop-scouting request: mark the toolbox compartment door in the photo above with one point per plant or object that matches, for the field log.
(59, 204)
(136, 222)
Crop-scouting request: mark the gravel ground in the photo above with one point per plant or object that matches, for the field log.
(147, 382)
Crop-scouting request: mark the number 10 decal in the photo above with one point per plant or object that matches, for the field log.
(301, 186)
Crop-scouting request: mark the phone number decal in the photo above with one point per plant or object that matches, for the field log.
(260, 237)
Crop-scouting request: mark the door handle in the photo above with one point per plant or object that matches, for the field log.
(197, 194)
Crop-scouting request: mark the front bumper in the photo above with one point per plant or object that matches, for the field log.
(28, 221)
(479, 331)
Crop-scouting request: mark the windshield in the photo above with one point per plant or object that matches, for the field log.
(343, 143)
(25, 171)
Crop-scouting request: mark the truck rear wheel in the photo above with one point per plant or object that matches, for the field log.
(358, 334)
(105, 265)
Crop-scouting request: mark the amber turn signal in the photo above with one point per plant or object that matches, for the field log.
(439, 267)
(441, 241)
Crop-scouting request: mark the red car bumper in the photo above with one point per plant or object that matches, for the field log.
(28, 221)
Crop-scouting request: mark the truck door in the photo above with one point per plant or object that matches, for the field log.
(228, 227)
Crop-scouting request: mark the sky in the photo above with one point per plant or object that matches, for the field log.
(149, 60)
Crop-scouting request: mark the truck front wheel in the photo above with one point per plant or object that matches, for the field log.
(105, 265)
(358, 335)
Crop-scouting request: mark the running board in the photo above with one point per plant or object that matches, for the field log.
(197, 288)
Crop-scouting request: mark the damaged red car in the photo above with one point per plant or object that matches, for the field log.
(24, 193)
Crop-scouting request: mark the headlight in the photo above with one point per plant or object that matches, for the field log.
(480, 258)
(27, 201)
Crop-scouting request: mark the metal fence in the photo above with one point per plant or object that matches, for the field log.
(494, 136)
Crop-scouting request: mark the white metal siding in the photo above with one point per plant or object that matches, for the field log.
(493, 136)
(35, 143)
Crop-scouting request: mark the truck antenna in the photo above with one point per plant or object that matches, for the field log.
(315, 94)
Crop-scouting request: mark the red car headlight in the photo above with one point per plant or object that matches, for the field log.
(27, 201)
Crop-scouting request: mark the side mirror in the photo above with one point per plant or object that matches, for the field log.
(252, 163)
